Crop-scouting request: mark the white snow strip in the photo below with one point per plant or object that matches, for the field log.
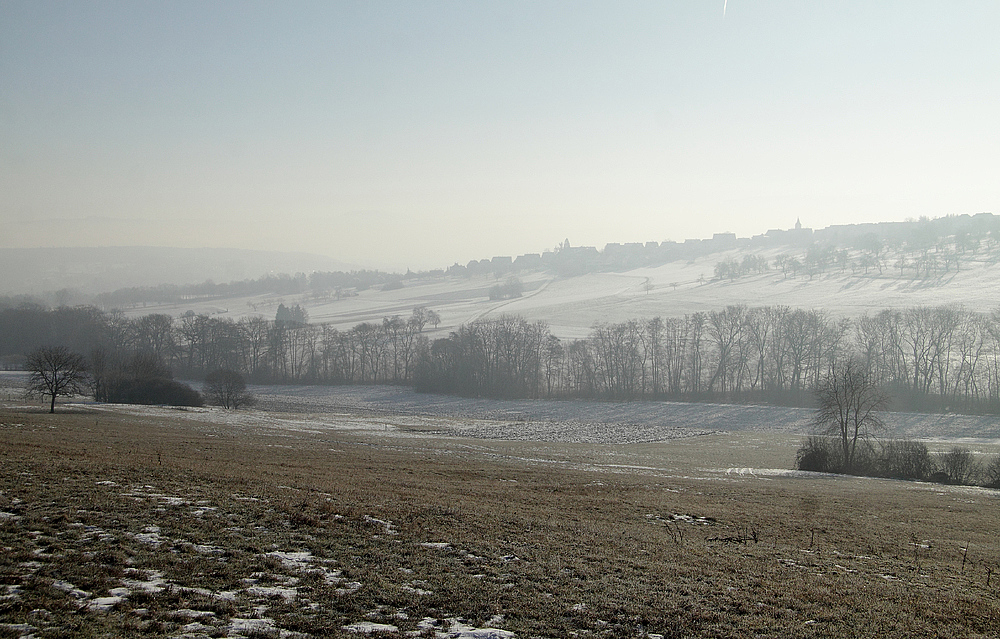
(368, 627)
(103, 604)
(266, 592)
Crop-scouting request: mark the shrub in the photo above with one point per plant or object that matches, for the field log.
(904, 459)
(156, 390)
(959, 464)
(228, 389)
(820, 455)
(511, 289)
(991, 475)
(825, 455)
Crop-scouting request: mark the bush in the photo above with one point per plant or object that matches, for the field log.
(139, 378)
(960, 466)
(509, 290)
(825, 455)
(155, 390)
(228, 389)
(819, 455)
(904, 459)
(991, 475)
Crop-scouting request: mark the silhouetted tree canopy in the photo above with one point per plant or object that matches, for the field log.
(56, 372)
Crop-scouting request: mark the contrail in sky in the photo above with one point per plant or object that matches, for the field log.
(724, 3)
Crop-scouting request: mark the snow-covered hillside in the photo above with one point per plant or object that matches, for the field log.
(571, 305)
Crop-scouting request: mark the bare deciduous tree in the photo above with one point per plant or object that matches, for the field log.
(850, 407)
(228, 389)
(56, 371)
(960, 465)
(992, 472)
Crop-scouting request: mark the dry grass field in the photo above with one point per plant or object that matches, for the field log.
(125, 525)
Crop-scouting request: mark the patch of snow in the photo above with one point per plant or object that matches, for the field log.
(195, 628)
(379, 522)
(13, 593)
(266, 592)
(244, 627)
(152, 584)
(300, 561)
(460, 630)
(436, 545)
(413, 589)
(368, 627)
(205, 549)
(187, 613)
(348, 587)
(103, 604)
(70, 589)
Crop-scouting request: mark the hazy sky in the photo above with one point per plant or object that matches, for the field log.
(395, 134)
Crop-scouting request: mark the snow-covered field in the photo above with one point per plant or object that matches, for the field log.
(596, 421)
(401, 409)
(571, 305)
(396, 411)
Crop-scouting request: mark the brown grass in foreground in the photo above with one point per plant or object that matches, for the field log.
(115, 525)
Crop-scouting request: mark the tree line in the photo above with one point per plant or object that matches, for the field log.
(285, 350)
(927, 358)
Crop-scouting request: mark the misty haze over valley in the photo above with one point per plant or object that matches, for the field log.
(499, 320)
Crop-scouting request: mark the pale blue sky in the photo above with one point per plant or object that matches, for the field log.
(395, 134)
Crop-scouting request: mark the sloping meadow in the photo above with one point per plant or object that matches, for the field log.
(131, 525)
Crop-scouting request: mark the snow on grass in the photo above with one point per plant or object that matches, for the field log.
(246, 627)
(458, 629)
(305, 563)
(149, 535)
(153, 583)
(415, 588)
(23, 630)
(70, 589)
(452, 628)
(369, 628)
(104, 604)
(386, 525)
(267, 592)
(395, 411)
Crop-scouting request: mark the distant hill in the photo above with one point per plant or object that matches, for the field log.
(844, 271)
(88, 271)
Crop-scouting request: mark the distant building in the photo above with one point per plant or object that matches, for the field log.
(724, 240)
(528, 261)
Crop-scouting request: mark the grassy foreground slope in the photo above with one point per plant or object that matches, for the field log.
(133, 525)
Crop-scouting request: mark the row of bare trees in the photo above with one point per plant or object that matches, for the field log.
(736, 350)
(929, 358)
(278, 351)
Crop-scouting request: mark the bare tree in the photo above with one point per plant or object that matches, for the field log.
(56, 371)
(433, 318)
(992, 472)
(228, 389)
(850, 407)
